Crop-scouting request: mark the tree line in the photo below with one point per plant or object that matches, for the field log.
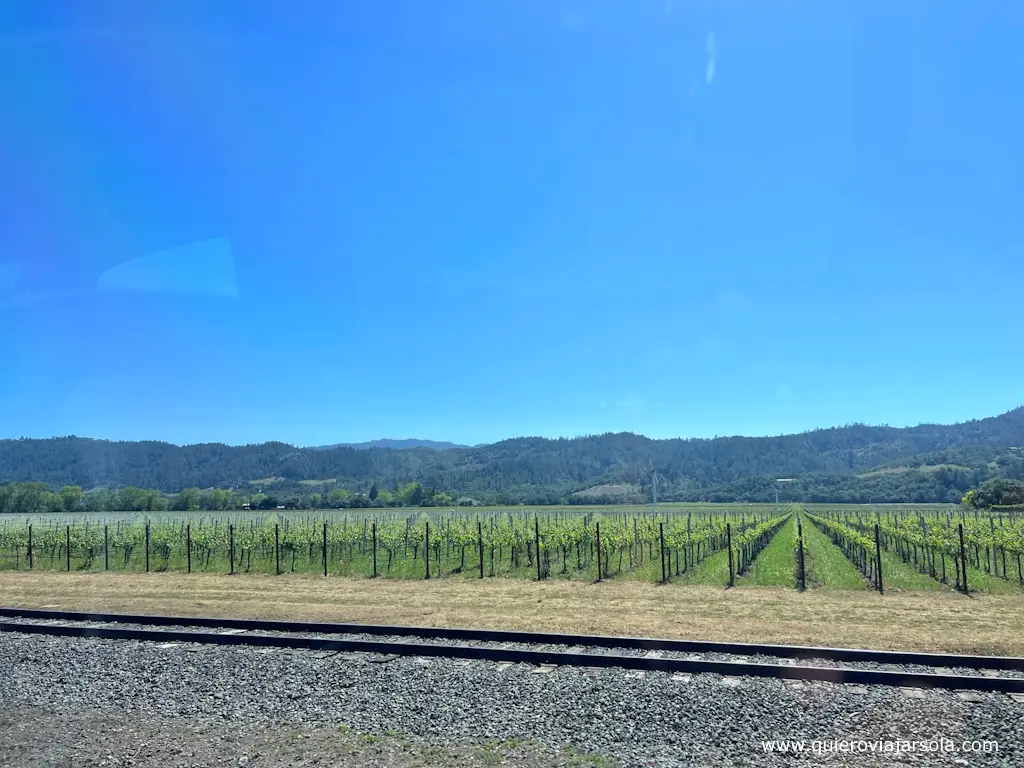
(997, 492)
(37, 498)
(906, 487)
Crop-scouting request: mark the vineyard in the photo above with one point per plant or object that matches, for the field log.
(967, 551)
(853, 547)
(586, 544)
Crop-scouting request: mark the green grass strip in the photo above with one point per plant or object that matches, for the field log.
(827, 567)
(897, 576)
(713, 570)
(776, 565)
(978, 580)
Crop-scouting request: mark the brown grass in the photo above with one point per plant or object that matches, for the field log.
(925, 622)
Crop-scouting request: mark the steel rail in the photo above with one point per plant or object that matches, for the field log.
(1012, 663)
(561, 658)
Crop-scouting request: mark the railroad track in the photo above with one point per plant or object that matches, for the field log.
(548, 650)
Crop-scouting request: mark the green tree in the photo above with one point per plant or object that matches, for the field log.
(188, 500)
(218, 499)
(71, 497)
(30, 497)
(52, 502)
(373, 491)
(99, 500)
(149, 500)
(339, 498)
(8, 497)
(411, 495)
(999, 491)
(130, 499)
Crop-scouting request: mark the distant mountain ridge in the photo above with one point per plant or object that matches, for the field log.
(929, 462)
(398, 445)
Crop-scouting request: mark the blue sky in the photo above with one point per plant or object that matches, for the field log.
(330, 221)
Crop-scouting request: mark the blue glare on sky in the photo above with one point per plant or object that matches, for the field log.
(205, 267)
(323, 221)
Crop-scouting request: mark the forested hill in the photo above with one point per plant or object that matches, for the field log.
(399, 444)
(538, 469)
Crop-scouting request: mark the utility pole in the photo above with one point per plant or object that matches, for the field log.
(777, 481)
(654, 478)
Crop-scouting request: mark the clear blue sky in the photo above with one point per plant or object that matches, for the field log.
(232, 220)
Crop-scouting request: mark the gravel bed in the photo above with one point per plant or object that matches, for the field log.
(634, 652)
(38, 738)
(130, 695)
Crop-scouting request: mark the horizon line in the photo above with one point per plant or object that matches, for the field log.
(470, 446)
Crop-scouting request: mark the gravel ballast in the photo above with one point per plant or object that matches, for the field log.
(85, 702)
(811, 661)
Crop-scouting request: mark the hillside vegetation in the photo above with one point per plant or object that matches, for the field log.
(929, 462)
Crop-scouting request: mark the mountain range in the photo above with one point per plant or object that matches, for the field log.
(855, 463)
(398, 445)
